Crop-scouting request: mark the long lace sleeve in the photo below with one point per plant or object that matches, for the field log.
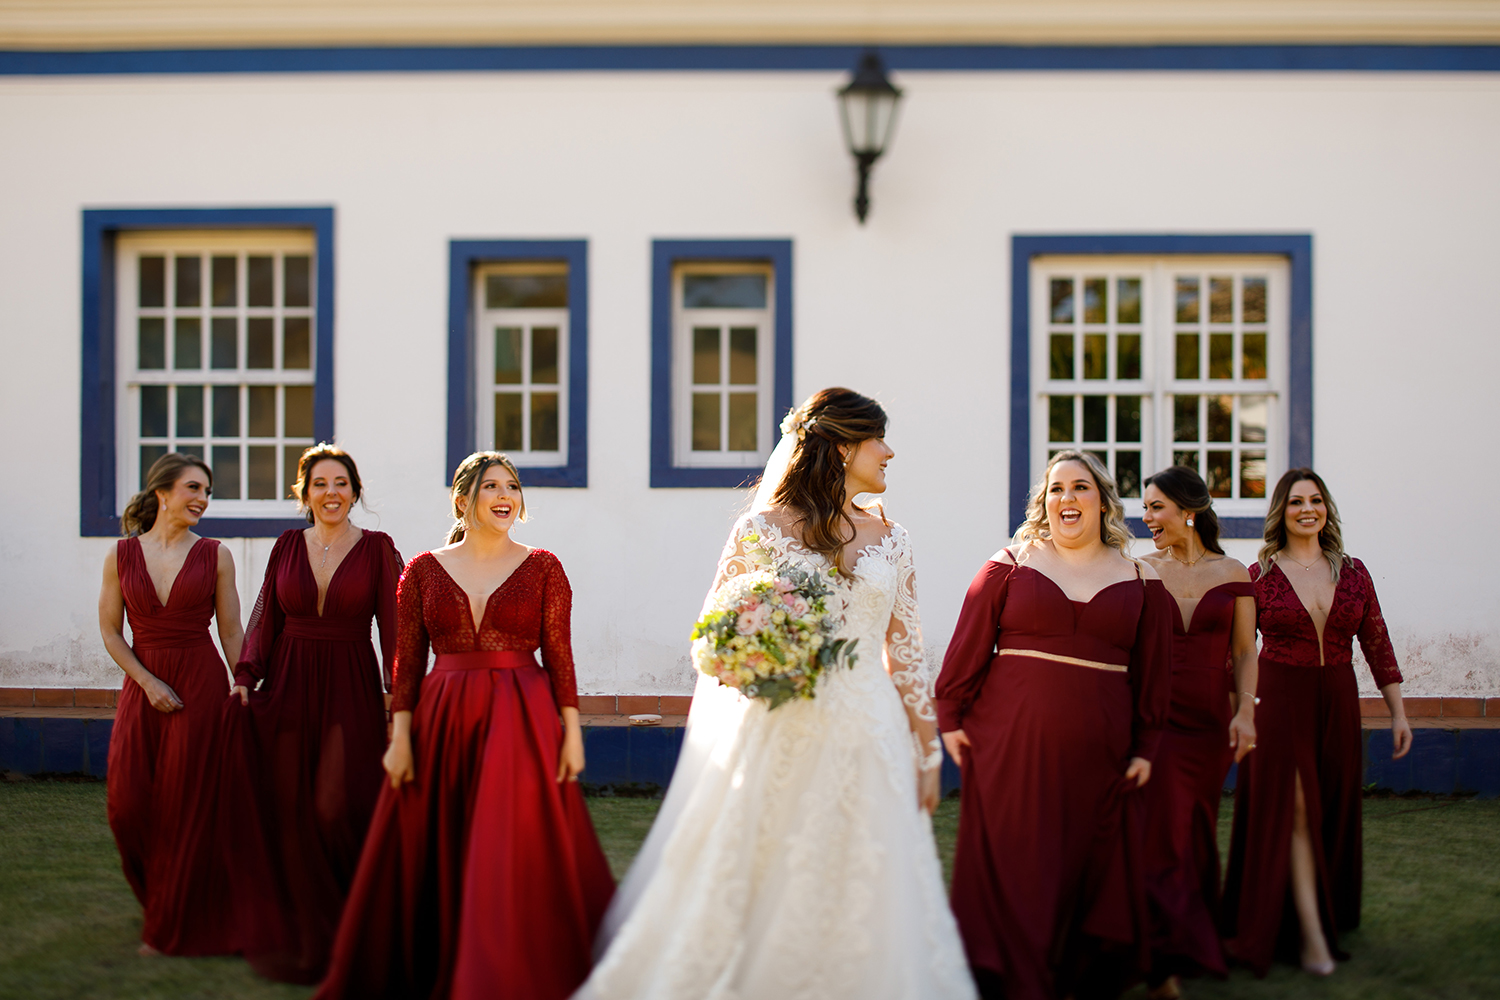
(1374, 639)
(385, 610)
(743, 553)
(412, 641)
(267, 620)
(557, 635)
(905, 662)
(967, 661)
(1151, 670)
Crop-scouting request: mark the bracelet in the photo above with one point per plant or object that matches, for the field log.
(1253, 700)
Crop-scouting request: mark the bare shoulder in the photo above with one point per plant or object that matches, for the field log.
(1233, 571)
(1148, 571)
(1156, 558)
(226, 559)
(1004, 557)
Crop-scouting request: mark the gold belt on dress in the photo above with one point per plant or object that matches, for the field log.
(1059, 658)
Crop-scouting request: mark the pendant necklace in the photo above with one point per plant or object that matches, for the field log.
(1189, 564)
(331, 544)
(1305, 566)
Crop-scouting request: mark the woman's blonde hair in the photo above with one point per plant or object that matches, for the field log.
(1330, 539)
(466, 480)
(1112, 528)
(140, 513)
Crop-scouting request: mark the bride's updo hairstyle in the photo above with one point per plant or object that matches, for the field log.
(1112, 528)
(813, 487)
(140, 513)
(1189, 492)
(466, 480)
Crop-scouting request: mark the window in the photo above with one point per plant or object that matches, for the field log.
(518, 356)
(723, 344)
(1150, 363)
(1155, 350)
(216, 360)
(206, 331)
(523, 343)
(725, 340)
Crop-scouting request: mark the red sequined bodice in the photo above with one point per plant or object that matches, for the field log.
(1289, 636)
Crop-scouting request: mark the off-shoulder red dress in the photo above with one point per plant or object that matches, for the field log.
(302, 760)
(1055, 697)
(161, 794)
(483, 877)
(1307, 723)
(1182, 797)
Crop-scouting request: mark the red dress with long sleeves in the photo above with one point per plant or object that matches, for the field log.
(302, 760)
(1182, 797)
(483, 877)
(1308, 724)
(161, 797)
(1047, 881)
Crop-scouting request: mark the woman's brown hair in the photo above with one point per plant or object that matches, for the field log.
(140, 512)
(813, 487)
(1330, 539)
(1184, 487)
(1113, 531)
(312, 457)
(466, 480)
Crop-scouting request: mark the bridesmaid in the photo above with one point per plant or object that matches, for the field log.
(1051, 732)
(482, 875)
(303, 751)
(1212, 723)
(161, 798)
(1297, 802)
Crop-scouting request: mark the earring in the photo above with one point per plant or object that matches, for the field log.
(1190, 522)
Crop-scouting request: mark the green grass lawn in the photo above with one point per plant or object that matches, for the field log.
(69, 925)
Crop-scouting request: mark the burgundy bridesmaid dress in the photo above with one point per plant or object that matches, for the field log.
(483, 877)
(1307, 723)
(1055, 696)
(302, 760)
(162, 792)
(1182, 797)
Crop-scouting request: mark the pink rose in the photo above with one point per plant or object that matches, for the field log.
(796, 606)
(784, 586)
(754, 620)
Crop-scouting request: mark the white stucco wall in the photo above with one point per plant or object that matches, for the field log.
(1392, 174)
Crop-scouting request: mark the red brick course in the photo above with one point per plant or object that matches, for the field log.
(637, 704)
(1492, 708)
(53, 697)
(676, 704)
(15, 698)
(596, 704)
(94, 697)
(1466, 708)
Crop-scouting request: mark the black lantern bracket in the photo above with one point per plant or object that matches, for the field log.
(867, 111)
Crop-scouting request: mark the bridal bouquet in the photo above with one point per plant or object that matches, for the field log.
(769, 634)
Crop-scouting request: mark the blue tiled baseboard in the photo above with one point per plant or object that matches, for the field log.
(1442, 761)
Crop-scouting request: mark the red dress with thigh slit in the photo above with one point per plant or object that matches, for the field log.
(1307, 723)
(162, 786)
(1182, 797)
(302, 760)
(483, 877)
(1055, 697)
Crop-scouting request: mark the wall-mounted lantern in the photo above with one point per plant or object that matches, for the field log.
(868, 108)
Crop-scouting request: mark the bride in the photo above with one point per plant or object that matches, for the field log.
(793, 856)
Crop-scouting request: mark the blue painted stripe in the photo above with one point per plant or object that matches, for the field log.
(760, 58)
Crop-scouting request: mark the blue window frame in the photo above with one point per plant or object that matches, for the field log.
(465, 258)
(667, 256)
(99, 498)
(1295, 248)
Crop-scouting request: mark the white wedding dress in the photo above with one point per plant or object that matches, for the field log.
(790, 860)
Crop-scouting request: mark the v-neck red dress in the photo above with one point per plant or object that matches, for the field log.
(483, 877)
(1307, 723)
(302, 760)
(162, 788)
(1047, 881)
(1182, 797)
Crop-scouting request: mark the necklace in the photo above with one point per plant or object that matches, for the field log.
(331, 544)
(1172, 551)
(1305, 566)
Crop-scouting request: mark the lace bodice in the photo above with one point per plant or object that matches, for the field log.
(432, 610)
(1289, 636)
(878, 607)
